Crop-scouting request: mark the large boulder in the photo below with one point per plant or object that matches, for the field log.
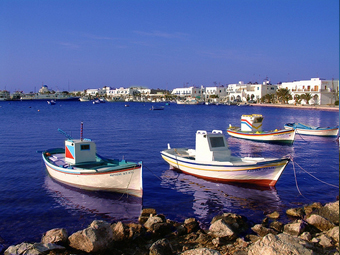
(330, 212)
(221, 229)
(320, 222)
(97, 237)
(32, 249)
(236, 222)
(295, 228)
(56, 235)
(282, 244)
(161, 247)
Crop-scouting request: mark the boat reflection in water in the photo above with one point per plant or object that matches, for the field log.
(213, 198)
(116, 206)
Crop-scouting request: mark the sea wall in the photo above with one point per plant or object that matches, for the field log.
(313, 229)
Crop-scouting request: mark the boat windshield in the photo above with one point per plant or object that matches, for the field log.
(217, 142)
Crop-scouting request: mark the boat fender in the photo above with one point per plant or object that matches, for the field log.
(47, 154)
(275, 130)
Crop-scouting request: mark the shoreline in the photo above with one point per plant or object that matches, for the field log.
(304, 107)
(313, 229)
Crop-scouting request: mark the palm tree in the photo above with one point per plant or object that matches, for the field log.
(307, 97)
(283, 95)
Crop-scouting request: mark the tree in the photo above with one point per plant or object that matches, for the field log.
(297, 99)
(283, 95)
(306, 97)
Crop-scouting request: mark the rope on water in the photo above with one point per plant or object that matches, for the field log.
(153, 173)
(296, 183)
(316, 177)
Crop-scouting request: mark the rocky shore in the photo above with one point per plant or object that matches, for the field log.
(313, 229)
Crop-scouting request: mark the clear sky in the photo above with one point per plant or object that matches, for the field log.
(80, 44)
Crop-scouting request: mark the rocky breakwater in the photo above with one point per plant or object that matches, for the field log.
(314, 229)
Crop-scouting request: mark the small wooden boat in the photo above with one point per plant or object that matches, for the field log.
(79, 165)
(52, 102)
(251, 129)
(156, 108)
(212, 160)
(304, 129)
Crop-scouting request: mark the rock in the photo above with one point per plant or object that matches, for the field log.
(323, 240)
(295, 228)
(145, 214)
(151, 221)
(309, 208)
(277, 226)
(135, 230)
(118, 231)
(274, 215)
(262, 231)
(96, 237)
(306, 236)
(32, 249)
(201, 251)
(334, 234)
(296, 212)
(191, 225)
(57, 236)
(282, 244)
(330, 212)
(236, 222)
(319, 222)
(161, 247)
(221, 229)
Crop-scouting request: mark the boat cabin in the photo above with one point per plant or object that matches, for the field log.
(80, 151)
(251, 123)
(211, 146)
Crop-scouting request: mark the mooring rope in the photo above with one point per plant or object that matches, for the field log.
(296, 183)
(153, 173)
(316, 177)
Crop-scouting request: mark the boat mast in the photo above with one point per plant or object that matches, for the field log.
(81, 131)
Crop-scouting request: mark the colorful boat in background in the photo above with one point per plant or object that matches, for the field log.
(251, 129)
(304, 129)
(212, 160)
(79, 165)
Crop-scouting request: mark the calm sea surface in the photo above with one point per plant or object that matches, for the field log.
(31, 203)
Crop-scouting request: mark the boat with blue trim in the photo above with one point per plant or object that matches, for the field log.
(79, 165)
(304, 129)
(251, 129)
(212, 160)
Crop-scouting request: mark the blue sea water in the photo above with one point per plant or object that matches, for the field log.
(32, 203)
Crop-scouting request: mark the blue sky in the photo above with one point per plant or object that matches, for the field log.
(80, 44)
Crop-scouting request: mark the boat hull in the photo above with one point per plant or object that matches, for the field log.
(258, 171)
(280, 136)
(317, 131)
(124, 180)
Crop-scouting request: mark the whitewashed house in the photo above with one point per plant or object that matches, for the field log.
(188, 92)
(323, 92)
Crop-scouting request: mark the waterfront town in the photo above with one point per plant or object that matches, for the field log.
(315, 91)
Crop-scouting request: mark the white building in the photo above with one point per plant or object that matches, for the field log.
(322, 91)
(243, 92)
(216, 91)
(96, 92)
(188, 92)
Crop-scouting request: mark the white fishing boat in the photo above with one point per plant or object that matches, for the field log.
(212, 160)
(79, 165)
(251, 129)
(304, 129)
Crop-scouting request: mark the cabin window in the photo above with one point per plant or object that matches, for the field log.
(84, 147)
(216, 142)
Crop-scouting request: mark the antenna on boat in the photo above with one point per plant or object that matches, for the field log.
(81, 131)
(65, 134)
